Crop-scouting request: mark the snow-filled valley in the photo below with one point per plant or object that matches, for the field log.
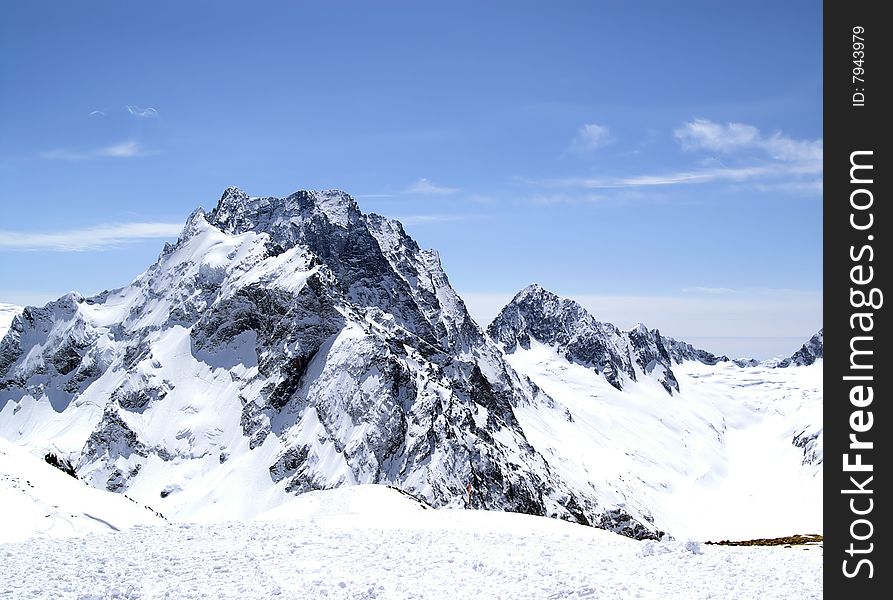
(712, 462)
(374, 542)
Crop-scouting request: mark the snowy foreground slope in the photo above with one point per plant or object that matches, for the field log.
(373, 542)
(39, 500)
(716, 461)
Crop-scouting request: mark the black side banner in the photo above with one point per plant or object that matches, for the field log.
(857, 393)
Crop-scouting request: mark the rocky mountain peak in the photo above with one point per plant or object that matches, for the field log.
(534, 291)
(237, 212)
(811, 351)
(641, 329)
(536, 295)
(232, 196)
(536, 314)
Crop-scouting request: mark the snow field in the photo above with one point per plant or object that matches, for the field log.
(714, 461)
(373, 542)
(38, 500)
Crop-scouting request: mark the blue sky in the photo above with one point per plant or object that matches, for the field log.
(658, 161)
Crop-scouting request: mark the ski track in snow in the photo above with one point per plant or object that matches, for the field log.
(372, 542)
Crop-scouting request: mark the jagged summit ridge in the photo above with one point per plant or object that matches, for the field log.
(811, 351)
(373, 260)
(540, 315)
(237, 211)
(537, 314)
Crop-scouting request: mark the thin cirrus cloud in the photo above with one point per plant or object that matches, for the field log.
(426, 187)
(703, 134)
(143, 113)
(125, 149)
(98, 237)
(768, 161)
(694, 176)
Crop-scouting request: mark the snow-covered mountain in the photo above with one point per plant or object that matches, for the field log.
(285, 345)
(810, 352)
(731, 450)
(281, 346)
(537, 314)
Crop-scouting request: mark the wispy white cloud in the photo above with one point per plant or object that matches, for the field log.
(590, 137)
(97, 113)
(426, 187)
(144, 113)
(773, 162)
(126, 149)
(687, 177)
(693, 176)
(703, 134)
(98, 237)
(63, 154)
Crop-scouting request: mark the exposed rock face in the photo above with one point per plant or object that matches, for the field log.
(811, 351)
(537, 314)
(284, 345)
(683, 351)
